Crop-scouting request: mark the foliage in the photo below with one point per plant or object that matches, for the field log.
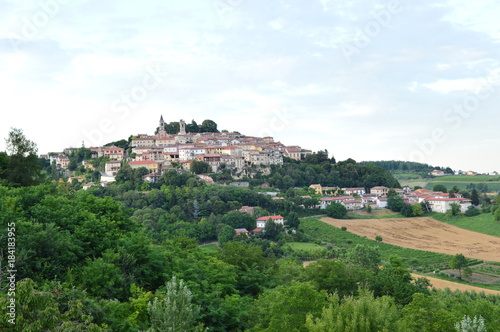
(21, 166)
(237, 219)
(455, 209)
(458, 262)
(199, 167)
(226, 234)
(175, 311)
(363, 255)
(440, 187)
(395, 203)
(470, 325)
(417, 209)
(472, 211)
(363, 313)
(345, 173)
(285, 307)
(336, 210)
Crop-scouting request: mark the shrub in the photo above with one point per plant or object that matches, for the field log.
(472, 211)
(378, 238)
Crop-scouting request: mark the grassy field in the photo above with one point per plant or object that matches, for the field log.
(423, 261)
(303, 246)
(209, 248)
(375, 214)
(468, 178)
(461, 181)
(492, 186)
(484, 223)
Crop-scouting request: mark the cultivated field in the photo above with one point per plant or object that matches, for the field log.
(442, 284)
(424, 234)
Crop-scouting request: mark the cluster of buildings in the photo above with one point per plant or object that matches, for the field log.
(225, 150)
(357, 198)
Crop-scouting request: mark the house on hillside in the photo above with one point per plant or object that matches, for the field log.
(437, 172)
(325, 201)
(381, 202)
(261, 222)
(442, 205)
(152, 166)
(353, 204)
(352, 191)
(379, 191)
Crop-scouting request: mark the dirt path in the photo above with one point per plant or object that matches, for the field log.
(424, 234)
(442, 284)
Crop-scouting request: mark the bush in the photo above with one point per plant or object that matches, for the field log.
(336, 210)
(472, 211)
(343, 228)
(378, 238)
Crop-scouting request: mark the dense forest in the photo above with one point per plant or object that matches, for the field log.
(128, 257)
(398, 166)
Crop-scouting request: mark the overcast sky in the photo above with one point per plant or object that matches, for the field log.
(368, 80)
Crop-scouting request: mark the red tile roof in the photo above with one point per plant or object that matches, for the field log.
(265, 218)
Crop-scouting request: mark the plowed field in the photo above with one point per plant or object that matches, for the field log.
(424, 234)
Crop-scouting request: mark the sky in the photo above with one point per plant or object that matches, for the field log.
(364, 79)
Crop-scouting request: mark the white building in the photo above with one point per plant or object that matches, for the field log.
(442, 205)
(261, 222)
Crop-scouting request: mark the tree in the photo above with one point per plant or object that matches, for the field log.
(455, 209)
(38, 310)
(365, 256)
(363, 313)
(199, 167)
(368, 208)
(440, 187)
(237, 219)
(417, 209)
(470, 325)
(334, 276)
(472, 211)
(175, 311)
(208, 126)
(192, 127)
(427, 313)
(292, 221)
(19, 145)
(285, 307)
(272, 230)
(226, 234)
(474, 196)
(407, 211)
(318, 157)
(23, 167)
(391, 192)
(336, 210)
(458, 262)
(395, 203)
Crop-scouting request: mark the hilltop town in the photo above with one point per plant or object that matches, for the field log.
(161, 151)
